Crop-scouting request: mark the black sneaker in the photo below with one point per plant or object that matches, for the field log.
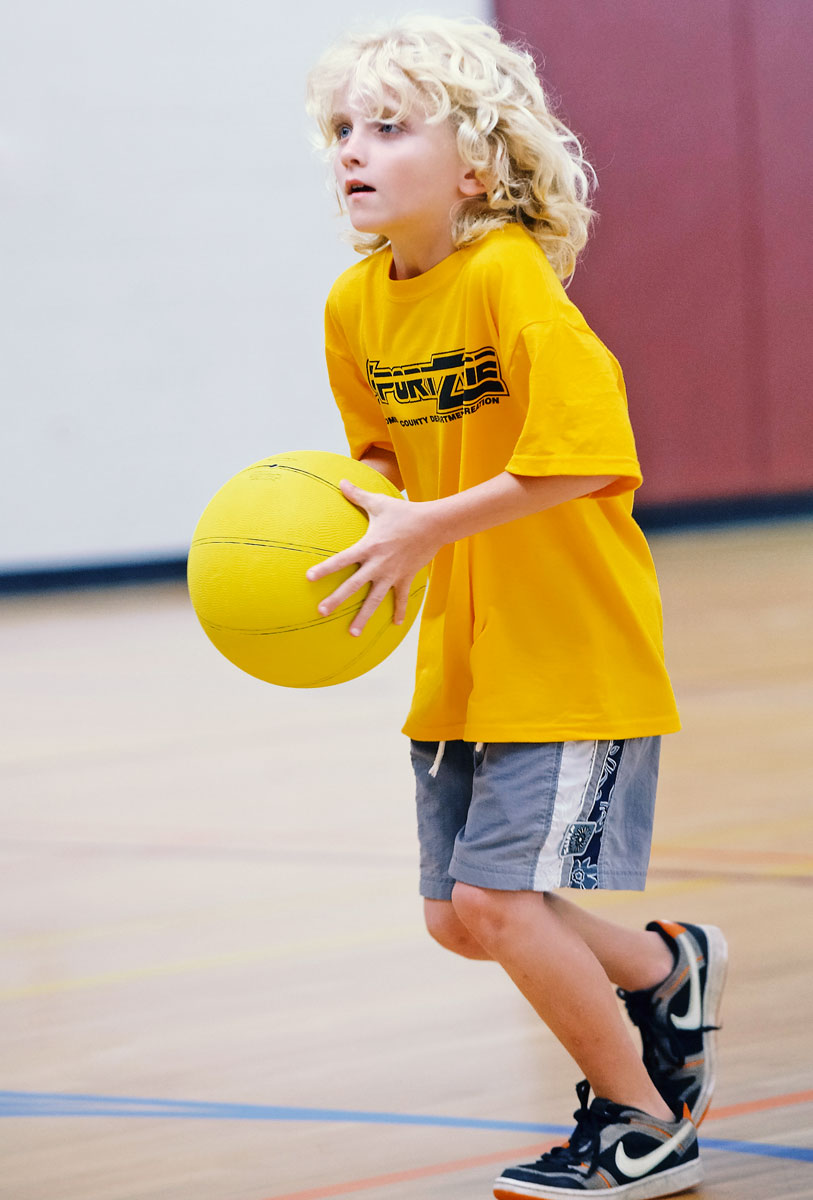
(614, 1151)
(678, 1018)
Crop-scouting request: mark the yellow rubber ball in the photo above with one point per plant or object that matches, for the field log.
(246, 572)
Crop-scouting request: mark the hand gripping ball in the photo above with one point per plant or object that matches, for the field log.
(247, 563)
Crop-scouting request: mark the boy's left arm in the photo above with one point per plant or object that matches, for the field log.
(405, 535)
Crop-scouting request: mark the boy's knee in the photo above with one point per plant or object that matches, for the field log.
(491, 915)
(446, 928)
(479, 909)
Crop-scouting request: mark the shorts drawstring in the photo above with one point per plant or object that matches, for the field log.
(433, 770)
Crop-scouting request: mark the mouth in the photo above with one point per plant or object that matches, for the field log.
(354, 186)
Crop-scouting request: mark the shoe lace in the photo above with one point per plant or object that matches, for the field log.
(661, 1041)
(585, 1141)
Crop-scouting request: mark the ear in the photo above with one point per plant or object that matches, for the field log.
(470, 185)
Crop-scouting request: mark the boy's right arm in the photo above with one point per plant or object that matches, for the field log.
(385, 462)
(365, 426)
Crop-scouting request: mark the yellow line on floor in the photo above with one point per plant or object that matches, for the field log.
(308, 948)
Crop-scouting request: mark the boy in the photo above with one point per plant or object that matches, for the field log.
(463, 373)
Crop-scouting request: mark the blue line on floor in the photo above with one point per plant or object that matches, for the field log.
(800, 1153)
(55, 1104)
(58, 1104)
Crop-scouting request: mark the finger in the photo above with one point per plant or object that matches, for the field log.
(376, 595)
(401, 602)
(359, 497)
(342, 593)
(336, 562)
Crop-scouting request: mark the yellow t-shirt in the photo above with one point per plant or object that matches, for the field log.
(547, 628)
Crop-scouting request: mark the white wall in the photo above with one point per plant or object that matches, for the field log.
(167, 243)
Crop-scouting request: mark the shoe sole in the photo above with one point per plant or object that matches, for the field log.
(665, 1183)
(716, 972)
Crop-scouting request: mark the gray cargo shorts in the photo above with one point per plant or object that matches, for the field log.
(534, 816)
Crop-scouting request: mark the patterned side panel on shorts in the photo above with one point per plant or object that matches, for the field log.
(578, 768)
(582, 841)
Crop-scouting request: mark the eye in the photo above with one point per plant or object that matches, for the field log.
(343, 131)
(389, 127)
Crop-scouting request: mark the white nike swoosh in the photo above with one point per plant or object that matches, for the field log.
(636, 1167)
(693, 1017)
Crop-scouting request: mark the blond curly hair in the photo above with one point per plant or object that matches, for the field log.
(531, 165)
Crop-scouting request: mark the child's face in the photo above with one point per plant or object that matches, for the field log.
(400, 180)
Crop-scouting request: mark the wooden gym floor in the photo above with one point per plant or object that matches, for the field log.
(215, 984)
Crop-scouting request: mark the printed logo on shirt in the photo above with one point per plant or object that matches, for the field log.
(458, 381)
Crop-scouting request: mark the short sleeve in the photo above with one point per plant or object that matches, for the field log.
(576, 419)
(364, 423)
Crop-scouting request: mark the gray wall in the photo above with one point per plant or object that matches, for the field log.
(167, 242)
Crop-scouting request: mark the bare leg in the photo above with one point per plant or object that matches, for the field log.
(558, 973)
(632, 958)
(446, 928)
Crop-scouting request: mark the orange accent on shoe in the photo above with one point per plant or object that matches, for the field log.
(672, 927)
(703, 1115)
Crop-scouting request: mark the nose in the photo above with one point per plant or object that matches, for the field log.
(351, 153)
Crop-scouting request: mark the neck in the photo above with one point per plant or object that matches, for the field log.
(415, 258)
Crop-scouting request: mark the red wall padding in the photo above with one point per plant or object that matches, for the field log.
(697, 117)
